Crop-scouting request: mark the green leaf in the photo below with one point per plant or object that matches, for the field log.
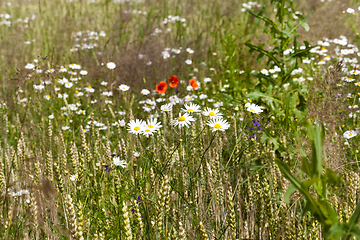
(260, 75)
(302, 104)
(302, 21)
(332, 177)
(306, 26)
(300, 53)
(336, 231)
(356, 232)
(288, 193)
(258, 94)
(309, 182)
(261, 50)
(354, 220)
(265, 19)
(306, 167)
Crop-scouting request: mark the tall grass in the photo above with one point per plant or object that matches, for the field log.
(78, 162)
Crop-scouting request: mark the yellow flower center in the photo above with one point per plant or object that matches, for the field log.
(76, 92)
(48, 96)
(190, 110)
(350, 135)
(182, 118)
(89, 87)
(212, 114)
(217, 126)
(251, 110)
(136, 128)
(49, 70)
(147, 130)
(350, 79)
(166, 109)
(148, 106)
(151, 126)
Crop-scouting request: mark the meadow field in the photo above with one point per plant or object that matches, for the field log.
(170, 119)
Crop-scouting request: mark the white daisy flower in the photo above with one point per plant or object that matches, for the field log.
(188, 61)
(212, 113)
(83, 72)
(136, 127)
(74, 66)
(62, 69)
(218, 124)
(111, 65)
(108, 94)
(64, 95)
(153, 124)
(148, 132)
(122, 123)
(73, 178)
(191, 108)
(124, 87)
(78, 94)
(145, 92)
(166, 107)
(183, 120)
(89, 89)
(118, 162)
(350, 134)
(39, 87)
(69, 85)
(253, 108)
(189, 50)
(30, 66)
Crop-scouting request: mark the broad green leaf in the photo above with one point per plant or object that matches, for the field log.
(288, 193)
(332, 177)
(306, 167)
(306, 26)
(309, 182)
(318, 210)
(336, 231)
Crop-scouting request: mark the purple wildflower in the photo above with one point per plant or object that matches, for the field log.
(107, 168)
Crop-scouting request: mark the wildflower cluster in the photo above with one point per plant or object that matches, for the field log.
(253, 129)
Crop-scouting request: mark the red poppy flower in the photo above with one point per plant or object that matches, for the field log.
(162, 87)
(193, 83)
(173, 81)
